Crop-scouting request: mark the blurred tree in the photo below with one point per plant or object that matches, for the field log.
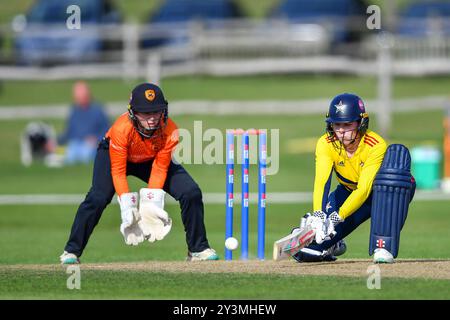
(138, 10)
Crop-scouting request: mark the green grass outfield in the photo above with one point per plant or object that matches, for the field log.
(170, 286)
(36, 235)
(270, 87)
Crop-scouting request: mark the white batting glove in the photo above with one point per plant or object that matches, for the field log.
(130, 216)
(335, 219)
(317, 220)
(324, 226)
(155, 222)
(330, 224)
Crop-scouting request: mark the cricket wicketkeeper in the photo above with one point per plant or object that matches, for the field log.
(140, 143)
(374, 181)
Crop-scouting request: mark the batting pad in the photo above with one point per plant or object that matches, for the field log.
(391, 195)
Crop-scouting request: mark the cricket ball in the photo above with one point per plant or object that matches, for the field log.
(231, 243)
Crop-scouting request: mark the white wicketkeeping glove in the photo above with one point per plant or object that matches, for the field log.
(155, 222)
(129, 228)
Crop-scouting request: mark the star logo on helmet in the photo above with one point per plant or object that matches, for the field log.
(339, 107)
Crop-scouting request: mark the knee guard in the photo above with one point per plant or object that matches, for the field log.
(392, 192)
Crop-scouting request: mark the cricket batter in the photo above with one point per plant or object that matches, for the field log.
(374, 181)
(140, 143)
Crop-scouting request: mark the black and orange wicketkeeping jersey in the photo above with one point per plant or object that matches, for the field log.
(127, 145)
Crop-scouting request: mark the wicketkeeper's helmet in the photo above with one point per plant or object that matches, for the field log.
(147, 98)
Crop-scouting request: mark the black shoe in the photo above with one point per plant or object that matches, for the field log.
(310, 255)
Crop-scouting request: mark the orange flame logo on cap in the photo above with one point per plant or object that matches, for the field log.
(150, 94)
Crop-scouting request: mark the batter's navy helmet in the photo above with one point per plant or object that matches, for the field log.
(347, 107)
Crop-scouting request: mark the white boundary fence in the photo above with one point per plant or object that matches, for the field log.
(235, 67)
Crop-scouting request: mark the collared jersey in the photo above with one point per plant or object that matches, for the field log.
(356, 173)
(127, 145)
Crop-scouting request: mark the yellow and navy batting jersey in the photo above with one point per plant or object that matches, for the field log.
(356, 174)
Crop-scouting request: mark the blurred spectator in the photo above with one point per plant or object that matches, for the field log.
(86, 125)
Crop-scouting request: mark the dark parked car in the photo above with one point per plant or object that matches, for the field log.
(43, 36)
(343, 18)
(424, 19)
(169, 24)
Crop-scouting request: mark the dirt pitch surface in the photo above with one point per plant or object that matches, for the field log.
(432, 269)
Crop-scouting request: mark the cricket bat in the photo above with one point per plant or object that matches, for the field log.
(293, 243)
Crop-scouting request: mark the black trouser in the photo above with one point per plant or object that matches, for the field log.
(179, 184)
